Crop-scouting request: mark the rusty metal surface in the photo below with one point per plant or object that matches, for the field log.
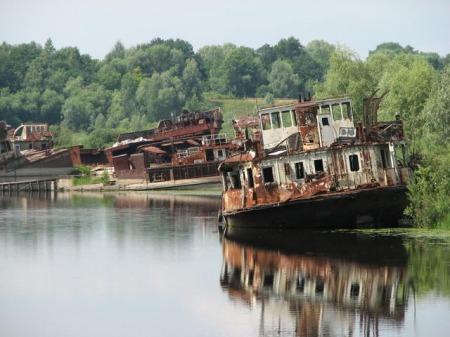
(336, 180)
(186, 124)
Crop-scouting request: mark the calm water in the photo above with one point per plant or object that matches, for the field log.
(154, 265)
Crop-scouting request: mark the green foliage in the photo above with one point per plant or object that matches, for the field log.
(410, 80)
(283, 81)
(242, 72)
(84, 170)
(85, 177)
(430, 190)
(347, 75)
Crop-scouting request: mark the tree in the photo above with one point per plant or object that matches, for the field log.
(160, 95)
(51, 106)
(321, 52)
(83, 104)
(347, 75)
(242, 72)
(409, 79)
(283, 81)
(213, 58)
(436, 112)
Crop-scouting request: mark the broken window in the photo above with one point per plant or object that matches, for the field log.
(354, 290)
(286, 117)
(294, 117)
(337, 113)
(251, 275)
(209, 155)
(268, 281)
(265, 121)
(325, 121)
(347, 110)
(325, 109)
(287, 169)
(385, 159)
(251, 183)
(318, 165)
(300, 284)
(276, 121)
(299, 170)
(354, 162)
(320, 287)
(235, 180)
(268, 174)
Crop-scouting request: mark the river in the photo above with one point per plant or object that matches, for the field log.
(154, 264)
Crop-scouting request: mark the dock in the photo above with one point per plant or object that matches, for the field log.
(49, 184)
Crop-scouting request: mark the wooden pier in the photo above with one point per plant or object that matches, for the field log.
(29, 185)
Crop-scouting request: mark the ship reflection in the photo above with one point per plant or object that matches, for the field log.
(316, 284)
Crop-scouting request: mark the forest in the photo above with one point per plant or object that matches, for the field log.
(89, 101)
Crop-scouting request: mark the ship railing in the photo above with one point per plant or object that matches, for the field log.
(187, 152)
(215, 139)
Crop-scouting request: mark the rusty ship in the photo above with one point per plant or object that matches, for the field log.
(27, 152)
(185, 148)
(307, 165)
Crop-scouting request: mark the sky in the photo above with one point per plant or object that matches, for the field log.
(94, 26)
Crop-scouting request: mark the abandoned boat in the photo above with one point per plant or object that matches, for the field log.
(306, 165)
(184, 149)
(37, 159)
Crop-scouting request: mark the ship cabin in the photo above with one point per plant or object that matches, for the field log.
(331, 119)
(33, 136)
(311, 148)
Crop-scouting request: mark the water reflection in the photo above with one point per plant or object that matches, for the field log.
(318, 284)
(36, 221)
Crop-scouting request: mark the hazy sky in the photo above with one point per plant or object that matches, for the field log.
(95, 25)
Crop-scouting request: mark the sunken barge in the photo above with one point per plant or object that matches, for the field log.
(306, 165)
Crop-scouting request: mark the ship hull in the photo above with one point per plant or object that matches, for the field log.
(53, 165)
(374, 207)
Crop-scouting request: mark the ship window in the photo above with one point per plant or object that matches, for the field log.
(268, 174)
(325, 121)
(265, 120)
(225, 181)
(209, 155)
(300, 284)
(337, 112)
(294, 117)
(287, 169)
(286, 117)
(276, 122)
(251, 183)
(299, 170)
(385, 160)
(354, 162)
(220, 153)
(251, 275)
(318, 165)
(2, 147)
(347, 110)
(235, 180)
(320, 287)
(325, 109)
(354, 290)
(268, 281)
